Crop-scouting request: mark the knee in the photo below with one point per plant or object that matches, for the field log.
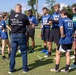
(67, 55)
(58, 53)
(49, 44)
(24, 52)
(3, 46)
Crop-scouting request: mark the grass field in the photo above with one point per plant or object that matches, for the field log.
(37, 66)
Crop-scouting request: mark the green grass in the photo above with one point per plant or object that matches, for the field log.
(37, 66)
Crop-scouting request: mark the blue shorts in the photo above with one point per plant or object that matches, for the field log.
(3, 35)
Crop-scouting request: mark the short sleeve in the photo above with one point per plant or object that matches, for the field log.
(61, 22)
(35, 20)
(3, 23)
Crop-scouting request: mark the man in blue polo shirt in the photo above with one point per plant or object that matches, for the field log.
(65, 44)
(33, 22)
(45, 28)
(55, 32)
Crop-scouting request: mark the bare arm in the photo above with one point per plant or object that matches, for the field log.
(8, 27)
(62, 31)
(50, 23)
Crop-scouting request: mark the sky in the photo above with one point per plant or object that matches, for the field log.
(7, 5)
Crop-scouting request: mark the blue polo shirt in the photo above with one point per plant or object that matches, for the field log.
(45, 20)
(33, 19)
(68, 28)
(55, 15)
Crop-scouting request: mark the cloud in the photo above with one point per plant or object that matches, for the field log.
(45, 5)
(63, 5)
(25, 7)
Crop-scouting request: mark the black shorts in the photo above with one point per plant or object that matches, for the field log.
(31, 33)
(64, 47)
(45, 34)
(55, 36)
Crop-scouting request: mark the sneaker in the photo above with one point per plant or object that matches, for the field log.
(44, 51)
(73, 66)
(54, 70)
(4, 58)
(72, 57)
(25, 71)
(47, 54)
(19, 51)
(10, 72)
(63, 70)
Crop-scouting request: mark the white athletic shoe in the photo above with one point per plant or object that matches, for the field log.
(63, 70)
(46, 56)
(9, 72)
(19, 51)
(72, 57)
(24, 72)
(53, 70)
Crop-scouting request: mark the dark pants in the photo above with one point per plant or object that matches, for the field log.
(31, 34)
(18, 40)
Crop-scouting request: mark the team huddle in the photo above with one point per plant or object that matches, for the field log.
(56, 27)
(60, 29)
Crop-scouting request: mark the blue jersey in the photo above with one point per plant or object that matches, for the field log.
(3, 24)
(68, 28)
(74, 21)
(55, 16)
(45, 20)
(33, 19)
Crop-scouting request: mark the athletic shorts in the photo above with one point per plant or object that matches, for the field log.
(31, 33)
(55, 36)
(65, 47)
(3, 35)
(45, 34)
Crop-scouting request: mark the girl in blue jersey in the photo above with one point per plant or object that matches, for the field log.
(4, 36)
(66, 40)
